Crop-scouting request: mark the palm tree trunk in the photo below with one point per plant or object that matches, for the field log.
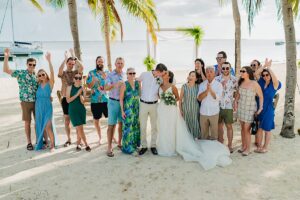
(74, 27)
(196, 51)
(106, 32)
(287, 129)
(237, 38)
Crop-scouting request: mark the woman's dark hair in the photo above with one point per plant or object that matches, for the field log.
(171, 77)
(266, 70)
(249, 71)
(161, 67)
(199, 78)
(223, 54)
(258, 63)
(195, 74)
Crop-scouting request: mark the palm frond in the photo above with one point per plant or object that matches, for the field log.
(57, 3)
(252, 8)
(37, 5)
(113, 23)
(95, 7)
(117, 17)
(195, 32)
(144, 10)
(223, 2)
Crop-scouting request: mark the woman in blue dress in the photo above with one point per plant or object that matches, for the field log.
(269, 85)
(44, 110)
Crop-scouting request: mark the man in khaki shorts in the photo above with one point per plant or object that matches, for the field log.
(210, 93)
(229, 83)
(27, 90)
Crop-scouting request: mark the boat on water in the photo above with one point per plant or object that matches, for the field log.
(18, 48)
(277, 43)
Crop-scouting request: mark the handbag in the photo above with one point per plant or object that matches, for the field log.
(254, 126)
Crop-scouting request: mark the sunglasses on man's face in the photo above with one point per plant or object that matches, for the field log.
(42, 75)
(31, 65)
(265, 75)
(78, 78)
(253, 65)
(242, 71)
(131, 73)
(219, 58)
(225, 68)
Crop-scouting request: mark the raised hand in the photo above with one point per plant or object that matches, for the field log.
(72, 52)
(48, 56)
(268, 63)
(66, 55)
(6, 52)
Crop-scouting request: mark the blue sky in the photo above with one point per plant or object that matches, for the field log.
(53, 25)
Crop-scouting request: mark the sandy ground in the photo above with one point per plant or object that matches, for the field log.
(67, 174)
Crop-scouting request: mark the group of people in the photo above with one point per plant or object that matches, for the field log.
(189, 123)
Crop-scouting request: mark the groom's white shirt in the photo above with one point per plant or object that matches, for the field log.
(149, 87)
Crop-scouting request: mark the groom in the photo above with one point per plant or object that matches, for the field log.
(148, 106)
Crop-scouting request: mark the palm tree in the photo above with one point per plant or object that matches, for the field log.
(287, 10)
(72, 7)
(111, 21)
(196, 33)
(237, 34)
(37, 5)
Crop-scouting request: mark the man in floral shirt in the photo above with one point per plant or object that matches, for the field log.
(229, 83)
(99, 98)
(27, 89)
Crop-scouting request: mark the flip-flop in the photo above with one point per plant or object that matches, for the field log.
(110, 154)
(120, 147)
(29, 147)
(88, 148)
(67, 143)
(241, 150)
(78, 148)
(246, 154)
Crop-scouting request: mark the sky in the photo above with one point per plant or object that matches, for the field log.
(53, 25)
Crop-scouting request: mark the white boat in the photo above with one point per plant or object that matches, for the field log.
(18, 48)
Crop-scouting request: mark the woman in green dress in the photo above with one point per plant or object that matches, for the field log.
(77, 112)
(189, 106)
(129, 101)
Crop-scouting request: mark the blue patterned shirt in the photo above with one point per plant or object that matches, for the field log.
(99, 95)
(112, 79)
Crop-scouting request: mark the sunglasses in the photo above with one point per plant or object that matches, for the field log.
(242, 71)
(219, 58)
(31, 65)
(40, 75)
(253, 65)
(265, 75)
(78, 78)
(225, 68)
(131, 73)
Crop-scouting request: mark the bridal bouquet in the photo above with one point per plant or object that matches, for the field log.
(168, 98)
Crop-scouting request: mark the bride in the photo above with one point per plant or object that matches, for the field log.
(174, 138)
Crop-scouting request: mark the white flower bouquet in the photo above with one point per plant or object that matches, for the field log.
(168, 98)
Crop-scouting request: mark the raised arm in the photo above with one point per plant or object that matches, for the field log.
(51, 78)
(6, 68)
(122, 91)
(62, 66)
(274, 78)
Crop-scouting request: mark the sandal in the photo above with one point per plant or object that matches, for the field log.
(245, 154)
(230, 149)
(88, 148)
(120, 147)
(29, 147)
(67, 143)
(110, 154)
(241, 150)
(78, 148)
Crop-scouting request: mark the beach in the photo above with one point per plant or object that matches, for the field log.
(67, 174)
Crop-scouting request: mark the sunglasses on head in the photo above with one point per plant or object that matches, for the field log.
(265, 75)
(40, 75)
(225, 68)
(242, 71)
(131, 73)
(78, 78)
(253, 65)
(31, 65)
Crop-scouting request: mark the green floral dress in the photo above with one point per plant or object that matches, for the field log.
(131, 124)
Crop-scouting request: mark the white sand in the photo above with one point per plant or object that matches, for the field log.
(67, 174)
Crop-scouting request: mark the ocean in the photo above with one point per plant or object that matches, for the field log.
(175, 54)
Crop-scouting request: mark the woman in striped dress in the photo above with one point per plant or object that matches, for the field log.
(189, 106)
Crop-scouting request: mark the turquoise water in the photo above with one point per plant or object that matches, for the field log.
(175, 54)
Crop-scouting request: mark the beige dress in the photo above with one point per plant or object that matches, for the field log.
(246, 105)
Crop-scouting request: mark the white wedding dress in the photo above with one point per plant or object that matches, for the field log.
(174, 138)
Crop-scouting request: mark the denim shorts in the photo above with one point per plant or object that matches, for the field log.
(114, 112)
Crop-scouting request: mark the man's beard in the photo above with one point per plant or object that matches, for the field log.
(99, 67)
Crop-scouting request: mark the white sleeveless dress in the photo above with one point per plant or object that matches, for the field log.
(174, 138)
